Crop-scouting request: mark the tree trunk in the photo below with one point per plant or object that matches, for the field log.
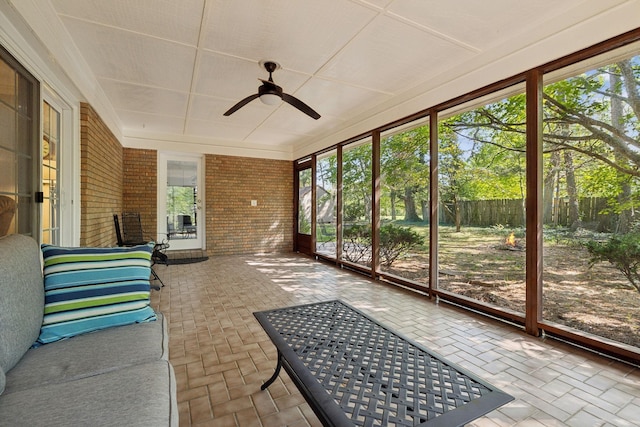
(366, 200)
(549, 188)
(617, 120)
(572, 191)
(424, 204)
(458, 216)
(410, 213)
(393, 206)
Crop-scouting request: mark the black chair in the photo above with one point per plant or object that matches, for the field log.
(131, 235)
(187, 226)
(171, 230)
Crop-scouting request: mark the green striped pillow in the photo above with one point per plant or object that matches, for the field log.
(87, 289)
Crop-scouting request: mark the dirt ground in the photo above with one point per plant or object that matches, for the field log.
(597, 300)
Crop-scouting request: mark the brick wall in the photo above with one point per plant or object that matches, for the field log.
(101, 179)
(140, 189)
(233, 225)
(116, 179)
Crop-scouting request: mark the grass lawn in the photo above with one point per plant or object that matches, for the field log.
(477, 262)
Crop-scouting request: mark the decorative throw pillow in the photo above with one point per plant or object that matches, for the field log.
(87, 289)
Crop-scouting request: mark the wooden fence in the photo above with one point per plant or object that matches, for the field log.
(510, 212)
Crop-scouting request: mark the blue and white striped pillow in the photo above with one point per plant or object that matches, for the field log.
(88, 289)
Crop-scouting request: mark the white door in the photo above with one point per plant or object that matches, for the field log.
(181, 215)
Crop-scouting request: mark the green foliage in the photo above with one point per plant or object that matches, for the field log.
(404, 165)
(356, 182)
(326, 233)
(487, 145)
(304, 224)
(354, 212)
(304, 177)
(356, 245)
(327, 172)
(180, 201)
(601, 181)
(622, 251)
(395, 241)
(590, 142)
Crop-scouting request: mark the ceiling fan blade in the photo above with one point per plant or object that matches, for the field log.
(241, 104)
(300, 106)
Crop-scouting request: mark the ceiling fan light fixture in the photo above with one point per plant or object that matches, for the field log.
(270, 99)
(271, 94)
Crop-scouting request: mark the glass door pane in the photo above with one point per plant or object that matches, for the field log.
(326, 203)
(304, 206)
(50, 187)
(180, 213)
(305, 203)
(19, 125)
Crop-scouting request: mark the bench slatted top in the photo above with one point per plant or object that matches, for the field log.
(352, 370)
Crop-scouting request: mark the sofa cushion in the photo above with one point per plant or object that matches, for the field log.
(90, 354)
(88, 289)
(21, 297)
(141, 395)
(3, 381)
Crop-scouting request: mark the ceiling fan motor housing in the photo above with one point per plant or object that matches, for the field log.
(269, 89)
(270, 66)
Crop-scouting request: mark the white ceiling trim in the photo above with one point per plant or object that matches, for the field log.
(180, 143)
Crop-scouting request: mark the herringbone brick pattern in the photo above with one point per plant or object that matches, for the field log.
(221, 354)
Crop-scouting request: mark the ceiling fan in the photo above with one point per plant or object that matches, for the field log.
(270, 94)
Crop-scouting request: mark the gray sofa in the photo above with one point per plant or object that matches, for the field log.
(118, 376)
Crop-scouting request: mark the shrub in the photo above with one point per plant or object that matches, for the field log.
(394, 242)
(622, 251)
(356, 245)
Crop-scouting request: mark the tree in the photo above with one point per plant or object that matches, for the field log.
(453, 180)
(584, 103)
(404, 165)
(494, 141)
(600, 113)
(326, 182)
(304, 201)
(356, 182)
(623, 252)
(591, 122)
(618, 122)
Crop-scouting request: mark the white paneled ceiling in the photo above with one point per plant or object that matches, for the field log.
(170, 69)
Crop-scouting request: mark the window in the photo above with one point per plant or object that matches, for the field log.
(19, 97)
(482, 179)
(592, 195)
(404, 202)
(356, 206)
(574, 271)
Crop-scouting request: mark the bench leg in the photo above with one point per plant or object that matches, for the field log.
(275, 374)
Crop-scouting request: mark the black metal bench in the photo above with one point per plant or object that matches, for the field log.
(352, 370)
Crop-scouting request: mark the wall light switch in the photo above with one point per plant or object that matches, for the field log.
(254, 203)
